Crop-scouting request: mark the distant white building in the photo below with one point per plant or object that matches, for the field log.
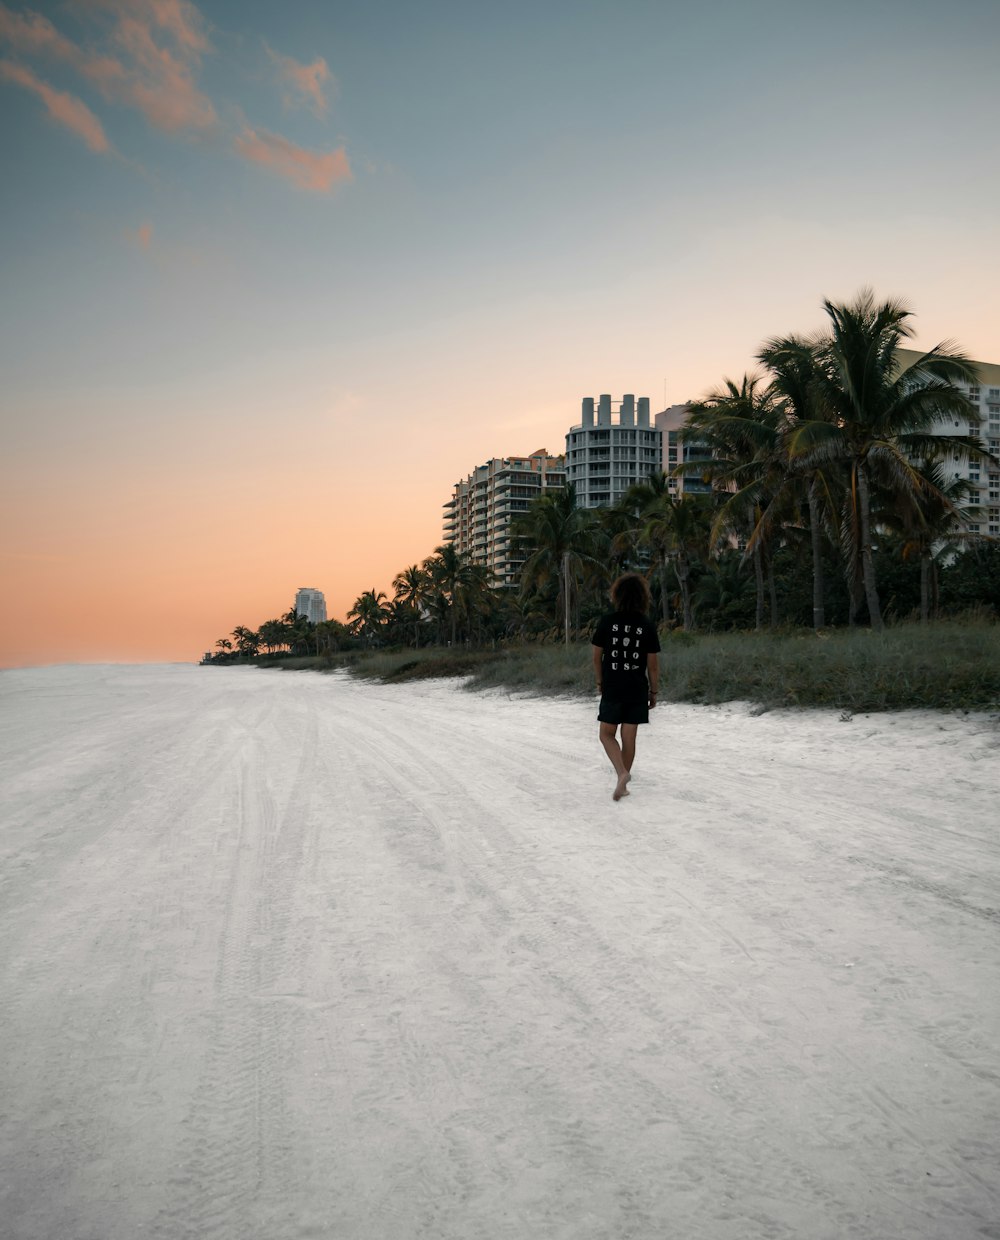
(605, 457)
(311, 604)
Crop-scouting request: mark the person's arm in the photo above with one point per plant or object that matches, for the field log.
(653, 676)
(598, 653)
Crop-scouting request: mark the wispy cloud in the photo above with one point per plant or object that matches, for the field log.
(305, 81)
(64, 108)
(312, 170)
(146, 54)
(33, 34)
(145, 72)
(180, 18)
(155, 78)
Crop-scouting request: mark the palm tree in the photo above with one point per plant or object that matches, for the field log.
(301, 634)
(876, 417)
(741, 427)
(448, 571)
(274, 634)
(930, 527)
(410, 588)
(793, 362)
(561, 540)
(676, 530)
(330, 635)
(723, 589)
(619, 529)
(369, 614)
(632, 506)
(247, 641)
(476, 598)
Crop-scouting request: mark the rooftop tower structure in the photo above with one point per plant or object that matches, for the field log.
(605, 456)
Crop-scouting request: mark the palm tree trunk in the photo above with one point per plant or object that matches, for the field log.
(566, 601)
(815, 534)
(925, 593)
(758, 572)
(854, 594)
(867, 565)
(664, 592)
(772, 593)
(683, 572)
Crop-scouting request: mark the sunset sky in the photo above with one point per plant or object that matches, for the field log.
(274, 276)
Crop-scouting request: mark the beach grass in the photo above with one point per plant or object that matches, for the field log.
(950, 665)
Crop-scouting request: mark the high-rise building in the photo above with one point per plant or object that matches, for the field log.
(311, 604)
(983, 421)
(477, 518)
(670, 422)
(604, 457)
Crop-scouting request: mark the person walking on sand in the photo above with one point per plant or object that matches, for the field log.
(627, 671)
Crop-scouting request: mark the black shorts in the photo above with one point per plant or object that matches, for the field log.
(611, 710)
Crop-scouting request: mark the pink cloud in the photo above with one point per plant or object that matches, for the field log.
(145, 55)
(182, 20)
(305, 80)
(141, 236)
(306, 169)
(153, 79)
(31, 33)
(62, 107)
(146, 74)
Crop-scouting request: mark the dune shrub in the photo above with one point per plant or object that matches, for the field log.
(951, 665)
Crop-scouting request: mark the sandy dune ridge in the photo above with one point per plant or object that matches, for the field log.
(292, 956)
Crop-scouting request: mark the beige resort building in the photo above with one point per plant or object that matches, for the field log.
(477, 518)
(983, 421)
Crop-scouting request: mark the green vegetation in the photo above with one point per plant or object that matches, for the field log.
(954, 665)
(815, 494)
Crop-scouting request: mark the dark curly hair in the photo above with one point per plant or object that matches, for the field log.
(630, 593)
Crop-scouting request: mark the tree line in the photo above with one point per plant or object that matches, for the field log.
(832, 501)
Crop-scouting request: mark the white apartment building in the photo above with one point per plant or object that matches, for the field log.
(604, 457)
(311, 604)
(983, 420)
(477, 518)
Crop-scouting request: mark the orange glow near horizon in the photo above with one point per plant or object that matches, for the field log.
(270, 290)
(157, 565)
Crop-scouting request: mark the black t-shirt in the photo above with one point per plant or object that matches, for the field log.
(626, 637)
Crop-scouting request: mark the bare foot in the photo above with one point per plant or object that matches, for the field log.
(621, 789)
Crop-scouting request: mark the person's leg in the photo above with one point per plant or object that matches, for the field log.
(629, 731)
(609, 740)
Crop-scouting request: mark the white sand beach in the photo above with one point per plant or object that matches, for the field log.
(289, 956)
